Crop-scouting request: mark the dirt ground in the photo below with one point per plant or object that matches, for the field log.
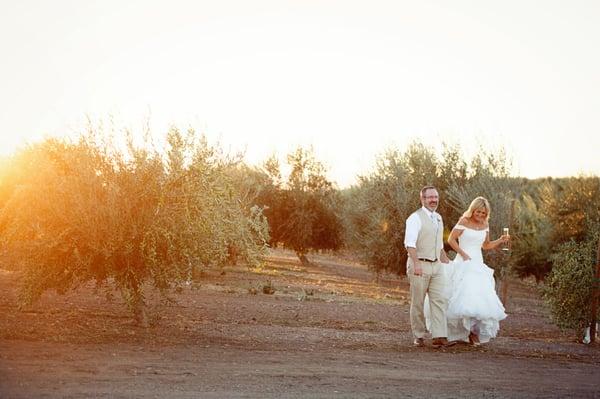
(331, 329)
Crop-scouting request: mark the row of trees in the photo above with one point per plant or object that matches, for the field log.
(131, 215)
(554, 222)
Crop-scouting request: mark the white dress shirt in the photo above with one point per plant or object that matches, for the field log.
(413, 227)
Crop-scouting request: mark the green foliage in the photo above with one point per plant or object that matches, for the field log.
(551, 212)
(376, 210)
(571, 208)
(571, 204)
(532, 245)
(75, 212)
(452, 170)
(569, 286)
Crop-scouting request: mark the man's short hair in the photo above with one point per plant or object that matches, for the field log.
(424, 189)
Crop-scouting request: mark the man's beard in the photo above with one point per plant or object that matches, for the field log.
(432, 208)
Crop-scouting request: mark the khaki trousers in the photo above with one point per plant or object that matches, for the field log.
(433, 282)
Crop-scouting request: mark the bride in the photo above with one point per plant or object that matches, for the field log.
(474, 309)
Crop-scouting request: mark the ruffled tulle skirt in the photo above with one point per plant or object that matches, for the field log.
(473, 304)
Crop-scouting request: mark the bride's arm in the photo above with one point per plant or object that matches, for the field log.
(453, 242)
(487, 244)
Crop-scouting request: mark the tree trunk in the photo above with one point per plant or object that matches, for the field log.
(303, 259)
(595, 298)
(137, 305)
(139, 314)
(232, 254)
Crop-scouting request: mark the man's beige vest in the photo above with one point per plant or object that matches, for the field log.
(430, 239)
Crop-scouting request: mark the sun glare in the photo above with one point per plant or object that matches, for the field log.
(347, 81)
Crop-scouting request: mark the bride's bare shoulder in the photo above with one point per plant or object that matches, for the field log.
(462, 224)
(463, 221)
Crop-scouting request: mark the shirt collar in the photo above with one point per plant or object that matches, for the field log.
(429, 213)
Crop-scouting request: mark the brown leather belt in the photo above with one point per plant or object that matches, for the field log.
(428, 260)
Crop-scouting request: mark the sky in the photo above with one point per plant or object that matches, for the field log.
(349, 78)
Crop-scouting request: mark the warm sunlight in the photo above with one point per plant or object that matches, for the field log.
(299, 199)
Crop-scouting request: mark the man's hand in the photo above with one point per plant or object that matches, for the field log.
(418, 270)
(416, 265)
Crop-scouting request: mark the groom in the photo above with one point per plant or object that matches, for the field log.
(424, 243)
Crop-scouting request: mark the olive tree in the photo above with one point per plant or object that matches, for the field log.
(303, 209)
(94, 211)
(532, 246)
(568, 289)
(573, 207)
(377, 208)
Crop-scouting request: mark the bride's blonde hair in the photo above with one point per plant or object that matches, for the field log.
(478, 203)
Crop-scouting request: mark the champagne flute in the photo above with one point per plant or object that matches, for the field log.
(505, 245)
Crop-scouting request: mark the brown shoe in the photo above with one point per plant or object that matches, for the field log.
(439, 342)
(474, 339)
(419, 342)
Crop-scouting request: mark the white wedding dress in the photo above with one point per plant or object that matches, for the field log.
(473, 304)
